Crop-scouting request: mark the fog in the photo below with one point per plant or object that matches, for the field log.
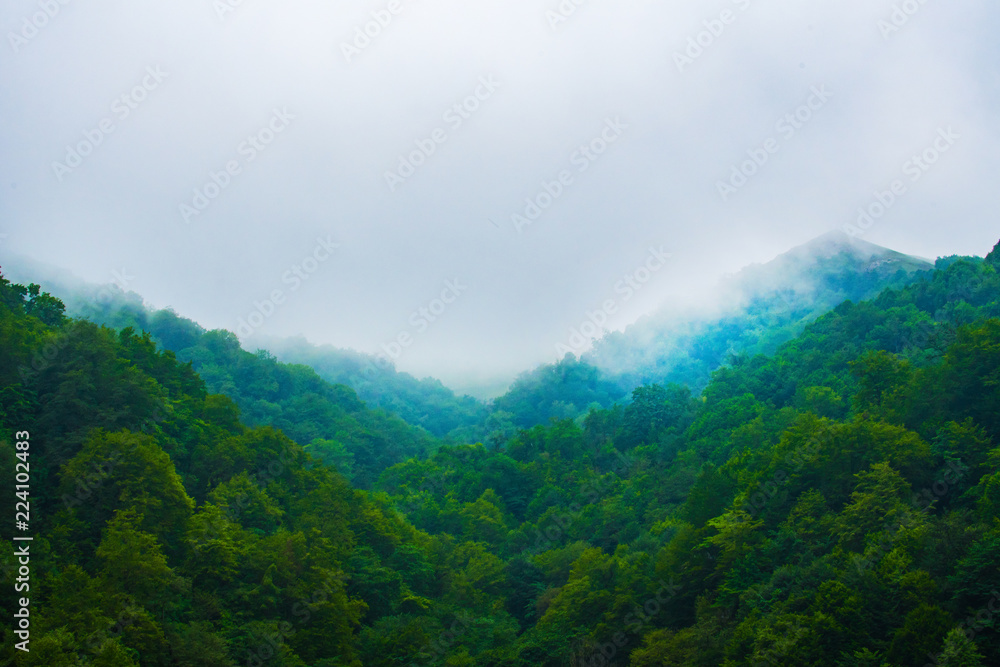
(460, 185)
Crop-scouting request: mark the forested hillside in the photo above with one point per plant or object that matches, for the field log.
(758, 309)
(754, 311)
(834, 503)
(169, 533)
(329, 420)
(562, 390)
(426, 403)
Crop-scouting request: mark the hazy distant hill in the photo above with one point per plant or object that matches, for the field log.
(757, 309)
(427, 402)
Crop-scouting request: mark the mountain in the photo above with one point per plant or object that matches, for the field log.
(563, 390)
(166, 532)
(328, 419)
(753, 311)
(426, 403)
(832, 503)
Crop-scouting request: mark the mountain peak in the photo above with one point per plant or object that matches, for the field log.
(837, 242)
(831, 256)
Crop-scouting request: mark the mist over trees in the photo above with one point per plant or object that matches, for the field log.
(834, 502)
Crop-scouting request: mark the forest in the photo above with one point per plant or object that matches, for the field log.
(833, 501)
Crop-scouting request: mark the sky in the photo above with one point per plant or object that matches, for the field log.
(457, 185)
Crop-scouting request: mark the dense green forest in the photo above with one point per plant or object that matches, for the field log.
(833, 503)
(329, 420)
(764, 306)
(425, 403)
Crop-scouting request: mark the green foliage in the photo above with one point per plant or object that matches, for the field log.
(168, 532)
(959, 651)
(290, 397)
(922, 633)
(767, 306)
(562, 390)
(426, 402)
(832, 504)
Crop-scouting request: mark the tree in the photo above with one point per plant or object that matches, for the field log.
(882, 385)
(709, 496)
(44, 306)
(133, 562)
(127, 471)
(878, 506)
(959, 651)
(922, 633)
(993, 259)
(653, 409)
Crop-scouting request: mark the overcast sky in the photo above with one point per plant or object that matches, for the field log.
(113, 114)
